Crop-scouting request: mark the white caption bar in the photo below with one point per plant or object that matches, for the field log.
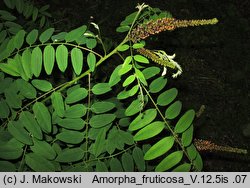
(123, 180)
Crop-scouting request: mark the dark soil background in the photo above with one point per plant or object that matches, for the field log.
(215, 60)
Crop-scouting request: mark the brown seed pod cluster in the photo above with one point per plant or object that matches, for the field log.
(153, 27)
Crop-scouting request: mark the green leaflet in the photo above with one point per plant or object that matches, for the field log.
(76, 95)
(26, 89)
(187, 136)
(59, 37)
(62, 57)
(124, 69)
(101, 167)
(10, 67)
(115, 77)
(91, 43)
(43, 149)
(26, 63)
(77, 60)
(192, 152)
(115, 165)
(69, 123)
(140, 76)
(198, 163)
(170, 161)
(28, 121)
(101, 88)
(70, 155)
(133, 108)
(101, 120)
(122, 29)
(138, 45)
(128, 80)
(102, 107)
(91, 60)
(127, 162)
(70, 137)
(185, 121)
(32, 37)
(186, 167)
(36, 61)
(99, 145)
(19, 39)
(57, 103)
(160, 148)
(18, 132)
(49, 59)
(4, 109)
(141, 59)
(138, 158)
(123, 47)
(167, 97)
(143, 119)
(76, 111)
(7, 166)
(149, 131)
(43, 116)
(173, 110)
(42, 85)
(75, 34)
(45, 36)
(10, 151)
(20, 69)
(157, 85)
(39, 163)
(151, 72)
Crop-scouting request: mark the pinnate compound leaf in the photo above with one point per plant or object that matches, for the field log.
(75, 34)
(43, 116)
(160, 148)
(70, 155)
(45, 36)
(69, 123)
(98, 121)
(62, 57)
(127, 162)
(143, 119)
(185, 121)
(57, 103)
(157, 85)
(149, 131)
(77, 60)
(28, 121)
(36, 61)
(138, 158)
(76, 95)
(167, 97)
(19, 133)
(170, 161)
(39, 163)
(101, 88)
(173, 110)
(102, 107)
(91, 60)
(32, 37)
(44, 149)
(70, 137)
(49, 59)
(42, 85)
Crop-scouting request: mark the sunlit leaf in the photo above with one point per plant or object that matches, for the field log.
(173, 110)
(133, 108)
(42, 85)
(101, 88)
(101, 120)
(102, 107)
(151, 72)
(141, 59)
(62, 57)
(157, 85)
(123, 47)
(76, 111)
(75, 34)
(160, 148)
(170, 161)
(45, 36)
(57, 103)
(36, 61)
(26, 63)
(76, 95)
(77, 60)
(167, 97)
(187, 136)
(115, 77)
(32, 37)
(185, 121)
(128, 80)
(49, 59)
(91, 60)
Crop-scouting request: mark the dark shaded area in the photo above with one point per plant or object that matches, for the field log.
(215, 60)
